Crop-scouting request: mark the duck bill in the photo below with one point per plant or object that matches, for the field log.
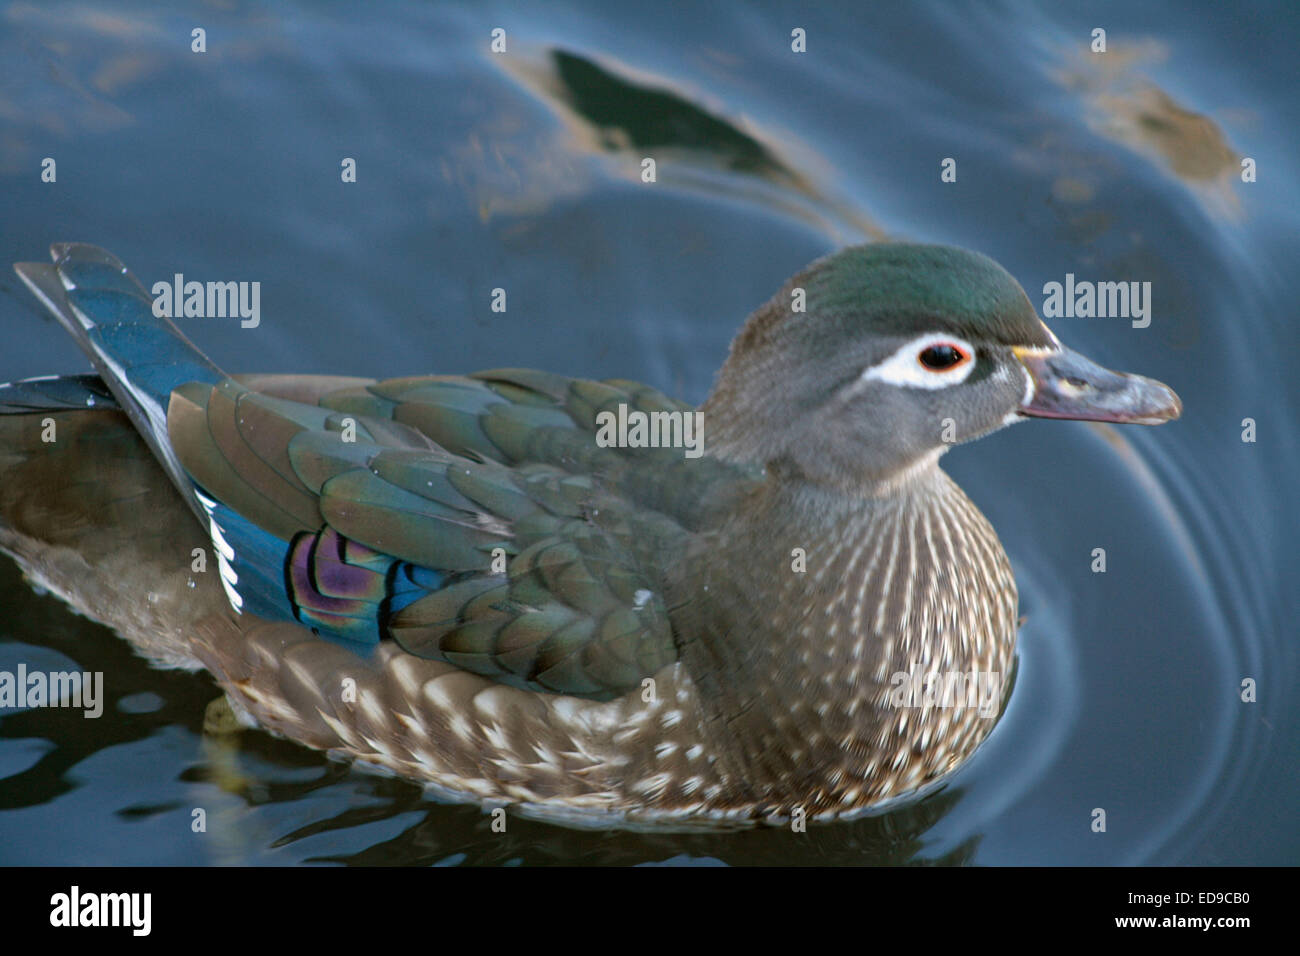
(1068, 385)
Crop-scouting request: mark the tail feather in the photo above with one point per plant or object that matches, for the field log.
(54, 393)
(141, 357)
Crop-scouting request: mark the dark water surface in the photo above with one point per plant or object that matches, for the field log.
(521, 171)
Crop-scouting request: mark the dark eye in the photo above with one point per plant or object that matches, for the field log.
(941, 357)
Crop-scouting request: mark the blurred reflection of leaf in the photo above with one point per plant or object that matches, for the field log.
(626, 116)
(611, 110)
(65, 64)
(1129, 108)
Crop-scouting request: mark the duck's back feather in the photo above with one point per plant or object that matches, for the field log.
(473, 519)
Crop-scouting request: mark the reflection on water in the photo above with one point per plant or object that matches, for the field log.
(635, 117)
(477, 170)
(1128, 107)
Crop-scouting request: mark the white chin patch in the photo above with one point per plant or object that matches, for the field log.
(905, 370)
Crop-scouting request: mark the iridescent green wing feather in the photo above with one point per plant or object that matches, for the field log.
(473, 520)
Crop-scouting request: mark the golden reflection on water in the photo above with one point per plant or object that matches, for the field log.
(73, 61)
(1126, 106)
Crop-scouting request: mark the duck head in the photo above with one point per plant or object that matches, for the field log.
(872, 362)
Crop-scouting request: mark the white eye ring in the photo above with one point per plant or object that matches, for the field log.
(905, 370)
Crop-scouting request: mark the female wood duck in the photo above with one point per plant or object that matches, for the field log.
(454, 579)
